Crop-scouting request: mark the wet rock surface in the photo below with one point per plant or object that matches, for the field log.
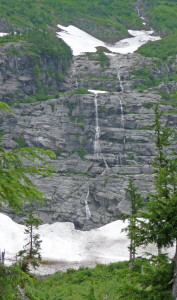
(67, 125)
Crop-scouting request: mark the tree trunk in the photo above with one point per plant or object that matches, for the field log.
(174, 288)
(131, 264)
(159, 250)
(131, 254)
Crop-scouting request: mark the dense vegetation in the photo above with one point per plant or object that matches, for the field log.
(113, 282)
(163, 17)
(110, 17)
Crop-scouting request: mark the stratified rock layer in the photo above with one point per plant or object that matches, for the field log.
(67, 125)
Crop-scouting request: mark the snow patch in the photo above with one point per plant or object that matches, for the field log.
(82, 42)
(65, 247)
(3, 34)
(97, 92)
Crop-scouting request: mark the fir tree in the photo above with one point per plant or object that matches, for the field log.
(160, 226)
(136, 203)
(31, 253)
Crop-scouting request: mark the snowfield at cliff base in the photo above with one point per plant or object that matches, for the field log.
(65, 247)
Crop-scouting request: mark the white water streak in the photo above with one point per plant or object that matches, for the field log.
(120, 81)
(87, 209)
(122, 114)
(97, 130)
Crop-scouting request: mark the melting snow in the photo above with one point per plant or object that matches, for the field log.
(66, 247)
(3, 34)
(82, 42)
(97, 92)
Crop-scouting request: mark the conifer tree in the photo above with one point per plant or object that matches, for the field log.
(31, 253)
(136, 203)
(160, 226)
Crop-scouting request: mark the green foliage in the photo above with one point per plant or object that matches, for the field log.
(72, 172)
(4, 107)
(148, 105)
(160, 226)
(103, 59)
(108, 16)
(162, 48)
(81, 152)
(11, 278)
(21, 141)
(164, 95)
(136, 203)
(146, 75)
(79, 91)
(31, 253)
(163, 16)
(174, 98)
(114, 281)
(36, 98)
(15, 185)
(47, 57)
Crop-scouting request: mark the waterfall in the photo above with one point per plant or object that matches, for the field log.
(120, 81)
(75, 77)
(106, 165)
(124, 141)
(97, 148)
(97, 130)
(119, 160)
(122, 114)
(138, 12)
(87, 209)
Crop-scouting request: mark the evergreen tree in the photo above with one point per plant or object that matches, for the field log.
(31, 253)
(136, 203)
(160, 226)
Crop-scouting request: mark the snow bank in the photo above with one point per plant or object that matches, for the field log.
(82, 42)
(97, 92)
(3, 34)
(65, 247)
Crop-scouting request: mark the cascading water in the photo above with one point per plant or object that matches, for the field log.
(75, 77)
(97, 148)
(119, 160)
(106, 165)
(120, 81)
(122, 114)
(139, 14)
(97, 130)
(87, 209)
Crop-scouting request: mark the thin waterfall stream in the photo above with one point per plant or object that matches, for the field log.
(87, 209)
(122, 114)
(97, 148)
(97, 130)
(120, 81)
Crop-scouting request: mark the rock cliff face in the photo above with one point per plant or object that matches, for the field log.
(18, 76)
(100, 142)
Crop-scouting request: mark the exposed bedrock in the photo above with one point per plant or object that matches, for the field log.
(86, 179)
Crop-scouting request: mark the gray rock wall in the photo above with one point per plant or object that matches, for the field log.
(67, 126)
